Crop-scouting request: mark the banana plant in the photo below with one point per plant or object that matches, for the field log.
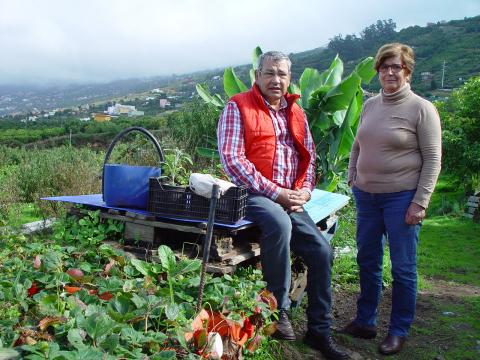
(332, 104)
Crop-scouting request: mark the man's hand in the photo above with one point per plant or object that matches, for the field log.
(415, 214)
(293, 200)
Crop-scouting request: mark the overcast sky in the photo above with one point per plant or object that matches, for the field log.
(48, 41)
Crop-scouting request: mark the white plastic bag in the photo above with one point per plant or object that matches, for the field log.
(201, 184)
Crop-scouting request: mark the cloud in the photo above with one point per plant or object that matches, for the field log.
(97, 41)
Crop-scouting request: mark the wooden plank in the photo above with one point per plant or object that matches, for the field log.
(474, 199)
(216, 268)
(244, 256)
(299, 286)
(134, 215)
(472, 204)
(470, 216)
(139, 232)
(115, 212)
(159, 224)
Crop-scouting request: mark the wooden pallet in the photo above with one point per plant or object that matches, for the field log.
(230, 249)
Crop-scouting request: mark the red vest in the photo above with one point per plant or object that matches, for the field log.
(259, 133)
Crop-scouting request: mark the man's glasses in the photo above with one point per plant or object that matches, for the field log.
(395, 68)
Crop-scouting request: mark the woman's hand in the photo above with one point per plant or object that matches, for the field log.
(415, 214)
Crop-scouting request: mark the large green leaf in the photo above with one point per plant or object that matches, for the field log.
(339, 97)
(142, 266)
(333, 75)
(294, 89)
(232, 84)
(187, 266)
(252, 76)
(98, 325)
(345, 136)
(75, 339)
(255, 55)
(172, 311)
(309, 81)
(365, 69)
(167, 258)
(204, 93)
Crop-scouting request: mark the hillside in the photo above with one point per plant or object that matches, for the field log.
(456, 42)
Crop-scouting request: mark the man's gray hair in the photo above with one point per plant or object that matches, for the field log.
(275, 56)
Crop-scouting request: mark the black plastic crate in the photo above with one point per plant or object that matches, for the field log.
(181, 202)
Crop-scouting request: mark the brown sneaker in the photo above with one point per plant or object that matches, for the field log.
(359, 331)
(284, 328)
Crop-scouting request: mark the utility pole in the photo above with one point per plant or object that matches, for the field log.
(443, 72)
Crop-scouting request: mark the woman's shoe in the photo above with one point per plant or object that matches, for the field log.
(392, 345)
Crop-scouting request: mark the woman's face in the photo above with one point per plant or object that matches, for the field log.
(392, 74)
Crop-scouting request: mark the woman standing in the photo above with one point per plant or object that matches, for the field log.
(394, 165)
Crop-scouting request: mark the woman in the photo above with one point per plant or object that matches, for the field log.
(394, 165)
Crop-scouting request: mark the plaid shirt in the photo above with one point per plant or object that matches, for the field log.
(231, 145)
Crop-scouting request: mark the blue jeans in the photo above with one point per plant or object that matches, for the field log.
(379, 215)
(282, 232)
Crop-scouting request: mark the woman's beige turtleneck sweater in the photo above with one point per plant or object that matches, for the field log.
(398, 146)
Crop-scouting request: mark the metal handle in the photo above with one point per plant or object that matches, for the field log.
(145, 132)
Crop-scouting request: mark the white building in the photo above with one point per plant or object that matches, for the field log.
(119, 109)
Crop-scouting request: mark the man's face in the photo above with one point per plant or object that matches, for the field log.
(273, 80)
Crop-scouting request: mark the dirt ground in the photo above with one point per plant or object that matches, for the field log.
(428, 339)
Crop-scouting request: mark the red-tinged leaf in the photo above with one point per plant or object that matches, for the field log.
(75, 274)
(268, 298)
(37, 262)
(72, 289)
(109, 266)
(200, 338)
(200, 321)
(218, 323)
(269, 329)
(30, 337)
(33, 289)
(256, 319)
(239, 336)
(105, 296)
(50, 320)
(93, 291)
(248, 328)
(254, 344)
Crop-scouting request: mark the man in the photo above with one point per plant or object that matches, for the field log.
(265, 143)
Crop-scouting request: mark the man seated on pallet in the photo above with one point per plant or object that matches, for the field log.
(265, 143)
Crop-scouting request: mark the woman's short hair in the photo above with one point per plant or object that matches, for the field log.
(396, 49)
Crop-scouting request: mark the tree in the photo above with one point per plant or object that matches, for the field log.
(460, 116)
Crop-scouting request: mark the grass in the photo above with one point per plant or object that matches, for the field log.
(22, 214)
(450, 249)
